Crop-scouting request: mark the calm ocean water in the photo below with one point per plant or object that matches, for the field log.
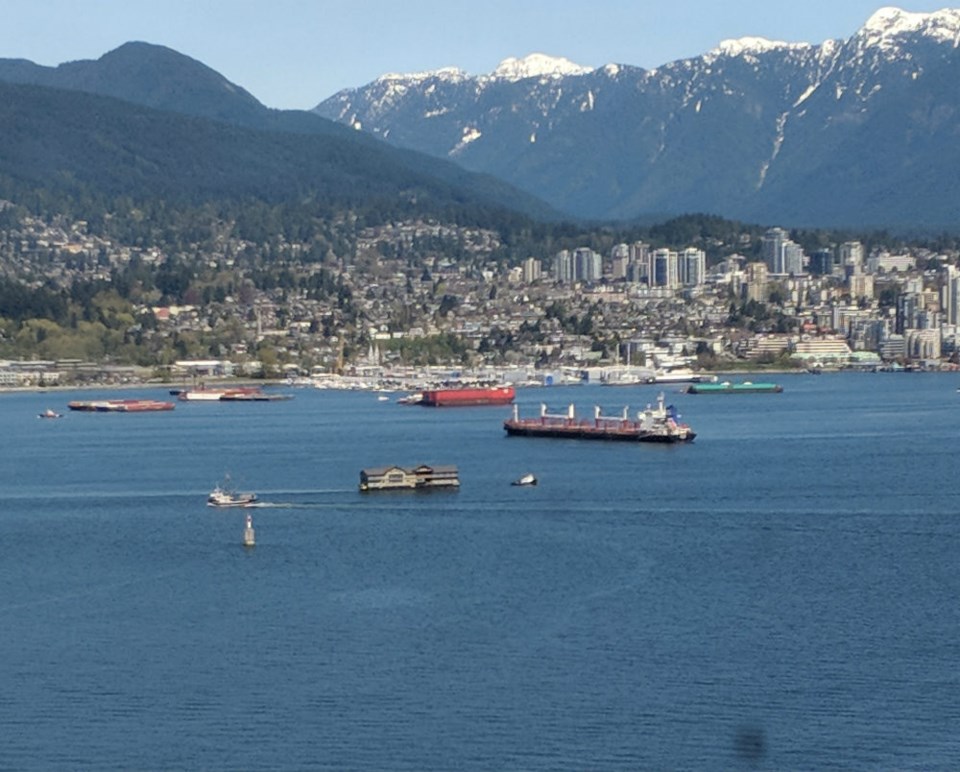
(781, 594)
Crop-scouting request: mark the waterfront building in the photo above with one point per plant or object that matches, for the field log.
(832, 350)
(893, 347)
(923, 344)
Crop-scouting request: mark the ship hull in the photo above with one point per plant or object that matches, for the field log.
(589, 432)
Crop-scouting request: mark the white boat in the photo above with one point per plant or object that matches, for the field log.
(48, 413)
(527, 479)
(683, 375)
(222, 496)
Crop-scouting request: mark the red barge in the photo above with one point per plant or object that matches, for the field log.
(459, 396)
(654, 424)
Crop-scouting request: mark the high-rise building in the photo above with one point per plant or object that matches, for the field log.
(532, 270)
(909, 305)
(619, 261)
(822, 262)
(588, 265)
(950, 300)
(692, 267)
(663, 269)
(563, 267)
(782, 256)
(757, 278)
(851, 258)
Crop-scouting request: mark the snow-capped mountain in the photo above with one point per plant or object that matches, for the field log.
(861, 131)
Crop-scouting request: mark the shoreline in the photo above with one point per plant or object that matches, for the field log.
(226, 383)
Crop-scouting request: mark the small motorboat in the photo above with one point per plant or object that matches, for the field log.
(527, 479)
(48, 413)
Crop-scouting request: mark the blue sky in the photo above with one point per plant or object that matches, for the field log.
(296, 53)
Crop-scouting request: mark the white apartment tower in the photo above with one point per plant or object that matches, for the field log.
(692, 267)
(950, 301)
(782, 256)
(663, 270)
(563, 267)
(532, 270)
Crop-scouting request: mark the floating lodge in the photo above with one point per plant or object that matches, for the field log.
(423, 477)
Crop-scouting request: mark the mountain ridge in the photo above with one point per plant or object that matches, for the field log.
(144, 75)
(753, 129)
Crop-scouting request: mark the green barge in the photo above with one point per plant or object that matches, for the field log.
(747, 387)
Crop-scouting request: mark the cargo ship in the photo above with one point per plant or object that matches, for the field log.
(734, 388)
(657, 423)
(460, 396)
(120, 405)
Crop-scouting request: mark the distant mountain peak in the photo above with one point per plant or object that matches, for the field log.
(453, 74)
(537, 66)
(887, 25)
(754, 45)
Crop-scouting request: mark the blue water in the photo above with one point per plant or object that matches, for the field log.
(781, 594)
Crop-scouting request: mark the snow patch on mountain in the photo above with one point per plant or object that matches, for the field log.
(470, 134)
(451, 74)
(537, 66)
(748, 46)
(888, 25)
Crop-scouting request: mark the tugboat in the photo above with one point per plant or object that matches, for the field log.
(221, 496)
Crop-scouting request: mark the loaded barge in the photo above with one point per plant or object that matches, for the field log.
(726, 387)
(462, 396)
(654, 424)
(120, 405)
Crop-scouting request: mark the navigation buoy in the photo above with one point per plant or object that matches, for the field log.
(249, 537)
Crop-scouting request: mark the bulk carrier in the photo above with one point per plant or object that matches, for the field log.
(654, 424)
